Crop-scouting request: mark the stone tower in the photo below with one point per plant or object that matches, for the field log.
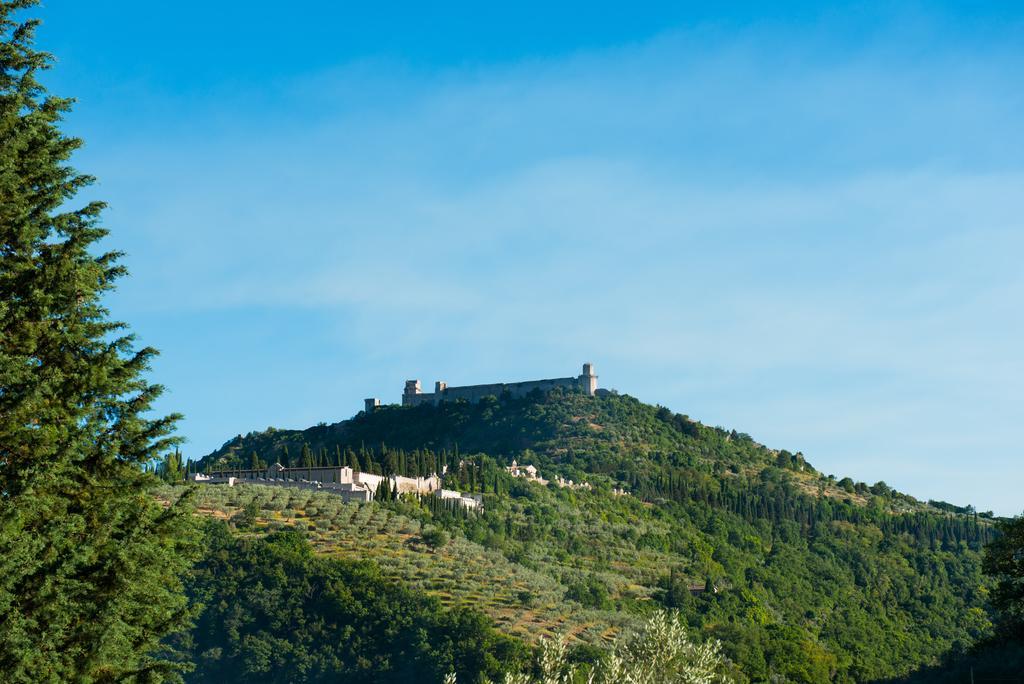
(588, 380)
(412, 388)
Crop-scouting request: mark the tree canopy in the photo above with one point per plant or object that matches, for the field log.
(276, 612)
(90, 564)
(1004, 561)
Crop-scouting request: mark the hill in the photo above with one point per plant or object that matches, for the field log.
(801, 576)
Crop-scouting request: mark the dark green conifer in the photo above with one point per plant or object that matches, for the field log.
(1004, 561)
(171, 469)
(90, 563)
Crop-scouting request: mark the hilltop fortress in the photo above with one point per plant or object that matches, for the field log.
(353, 485)
(414, 395)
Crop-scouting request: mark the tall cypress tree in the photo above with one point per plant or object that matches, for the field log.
(90, 563)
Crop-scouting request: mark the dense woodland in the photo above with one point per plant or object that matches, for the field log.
(113, 569)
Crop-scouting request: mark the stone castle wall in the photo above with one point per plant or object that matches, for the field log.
(586, 383)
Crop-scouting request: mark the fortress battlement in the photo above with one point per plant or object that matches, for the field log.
(413, 395)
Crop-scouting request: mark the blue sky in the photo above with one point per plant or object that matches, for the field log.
(803, 224)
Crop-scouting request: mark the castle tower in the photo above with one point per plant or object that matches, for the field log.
(588, 380)
(412, 388)
(371, 404)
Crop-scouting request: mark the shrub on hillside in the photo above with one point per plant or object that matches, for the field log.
(434, 537)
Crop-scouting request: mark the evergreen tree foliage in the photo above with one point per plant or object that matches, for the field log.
(89, 562)
(1000, 657)
(1004, 561)
(172, 468)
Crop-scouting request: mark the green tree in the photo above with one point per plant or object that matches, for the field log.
(246, 517)
(1004, 561)
(591, 592)
(434, 537)
(172, 468)
(89, 562)
(383, 492)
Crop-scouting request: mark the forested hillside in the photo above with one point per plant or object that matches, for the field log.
(800, 575)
